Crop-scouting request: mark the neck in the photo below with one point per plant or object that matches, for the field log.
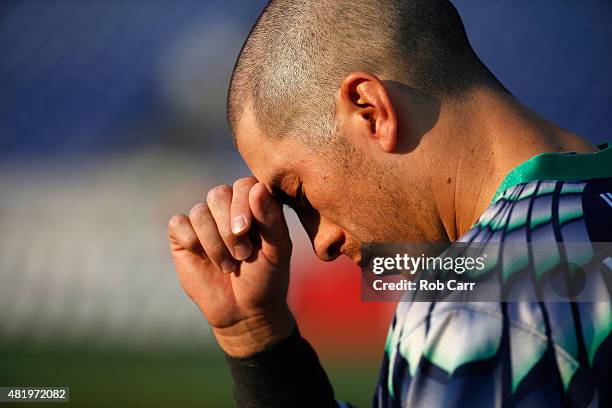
(492, 133)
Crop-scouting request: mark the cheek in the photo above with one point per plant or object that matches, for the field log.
(342, 204)
(369, 213)
(327, 201)
(332, 196)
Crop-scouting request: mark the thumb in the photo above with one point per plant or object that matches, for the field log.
(271, 224)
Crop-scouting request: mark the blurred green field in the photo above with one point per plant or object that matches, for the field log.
(152, 379)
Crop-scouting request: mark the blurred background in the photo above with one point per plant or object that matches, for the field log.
(112, 119)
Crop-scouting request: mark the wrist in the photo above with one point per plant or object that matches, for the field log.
(256, 333)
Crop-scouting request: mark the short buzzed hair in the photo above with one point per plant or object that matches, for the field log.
(296, 55)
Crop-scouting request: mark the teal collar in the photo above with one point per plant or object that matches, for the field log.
(560, 166)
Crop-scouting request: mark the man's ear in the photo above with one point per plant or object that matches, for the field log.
(363, 98)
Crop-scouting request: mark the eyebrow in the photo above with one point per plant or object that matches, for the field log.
(278, 192)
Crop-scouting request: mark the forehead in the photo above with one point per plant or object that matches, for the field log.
(267, 157)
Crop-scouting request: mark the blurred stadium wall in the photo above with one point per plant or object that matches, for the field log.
(112, 119)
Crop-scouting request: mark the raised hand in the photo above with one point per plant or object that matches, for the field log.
(232, 257)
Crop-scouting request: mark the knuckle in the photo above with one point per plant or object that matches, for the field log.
(192, 244)
(175, 222)
(244, 182)
(199, 211)
(218, 193)
(216, 251)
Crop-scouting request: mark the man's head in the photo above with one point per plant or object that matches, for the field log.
(329, 95)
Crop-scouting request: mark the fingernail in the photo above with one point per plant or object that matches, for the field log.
(239, 224)
(243, 250)
(228, 266)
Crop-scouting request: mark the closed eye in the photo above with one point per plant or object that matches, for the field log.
(300, 196)
(281, 196)
(299, 201)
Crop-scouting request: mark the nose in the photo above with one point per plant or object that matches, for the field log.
(327, 240)
(327, 248)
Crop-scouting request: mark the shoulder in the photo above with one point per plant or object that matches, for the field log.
(548, 211)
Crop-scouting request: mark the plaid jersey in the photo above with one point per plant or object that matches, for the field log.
(531, 353)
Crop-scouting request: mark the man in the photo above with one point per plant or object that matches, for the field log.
(376, 122)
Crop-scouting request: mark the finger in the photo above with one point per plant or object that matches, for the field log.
(182, 236)
(271, 224)
(219, 201)
(206, 230)
(241, 215)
